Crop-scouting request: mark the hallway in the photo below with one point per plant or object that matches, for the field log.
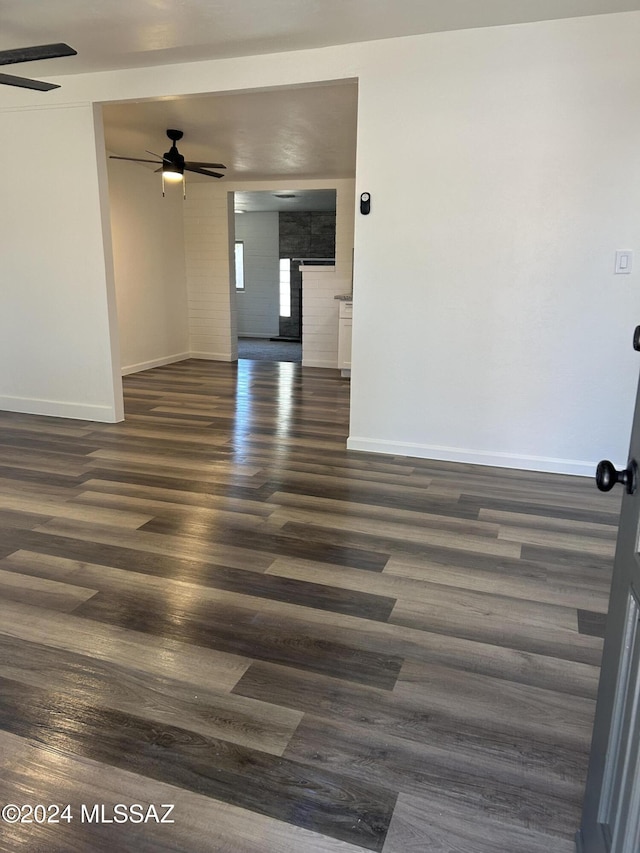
(214, 605)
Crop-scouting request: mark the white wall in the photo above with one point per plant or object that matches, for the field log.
(149, 260)
(488, 325)
(504, 173)
(258, 305)
(56, 345)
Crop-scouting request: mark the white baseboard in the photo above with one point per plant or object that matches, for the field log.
(317, 362)
(495, 459)
(213, 356)
(156, 362)
(57, 409)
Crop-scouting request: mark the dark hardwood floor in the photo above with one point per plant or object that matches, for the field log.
(213, 605)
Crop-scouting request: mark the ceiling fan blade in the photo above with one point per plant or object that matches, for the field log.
(204, 165)
(154, 153)
(189, 168)
(26, 83)
(39, 51)
(133, 159)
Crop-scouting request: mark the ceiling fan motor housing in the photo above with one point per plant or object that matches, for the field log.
(174, 159)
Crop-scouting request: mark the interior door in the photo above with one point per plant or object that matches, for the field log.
(611, 813)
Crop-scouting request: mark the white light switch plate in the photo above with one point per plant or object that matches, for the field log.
(624, 262)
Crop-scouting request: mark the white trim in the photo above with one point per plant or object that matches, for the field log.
(214, 356)
(313, 362)
(57, 409)
(496, 459)
(156, 362)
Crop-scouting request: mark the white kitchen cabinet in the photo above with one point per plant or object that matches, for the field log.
(344, 337)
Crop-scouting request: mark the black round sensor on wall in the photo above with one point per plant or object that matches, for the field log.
(365, 203)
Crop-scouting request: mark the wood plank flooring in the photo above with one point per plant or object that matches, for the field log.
(214, 605)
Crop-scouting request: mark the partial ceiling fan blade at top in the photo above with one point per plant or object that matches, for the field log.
(37, 52)
(204, 165)
(189, 168)
(26, 83)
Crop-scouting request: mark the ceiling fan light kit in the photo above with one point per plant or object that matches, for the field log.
(173, 162)
(173, 165)
(32, 54)
(172, 176)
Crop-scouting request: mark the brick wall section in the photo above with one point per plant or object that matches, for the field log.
(309, 234)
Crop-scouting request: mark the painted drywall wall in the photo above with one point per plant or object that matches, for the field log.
(56, 344)
(149, 261)
(488, 324)
(258, 305)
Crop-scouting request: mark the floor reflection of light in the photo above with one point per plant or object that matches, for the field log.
(286, 376)
(183, 597)
(243, 407)
(201, 522)
(244, 415)
(65, 727)
(49, 763)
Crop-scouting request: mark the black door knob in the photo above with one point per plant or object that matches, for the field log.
(607, 476)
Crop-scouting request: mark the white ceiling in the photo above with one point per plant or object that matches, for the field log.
(286, 133)
(290, 132)
(110, 34)
(285, 200)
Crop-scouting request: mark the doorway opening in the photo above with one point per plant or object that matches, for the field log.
(170, 279)
(276, 234)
